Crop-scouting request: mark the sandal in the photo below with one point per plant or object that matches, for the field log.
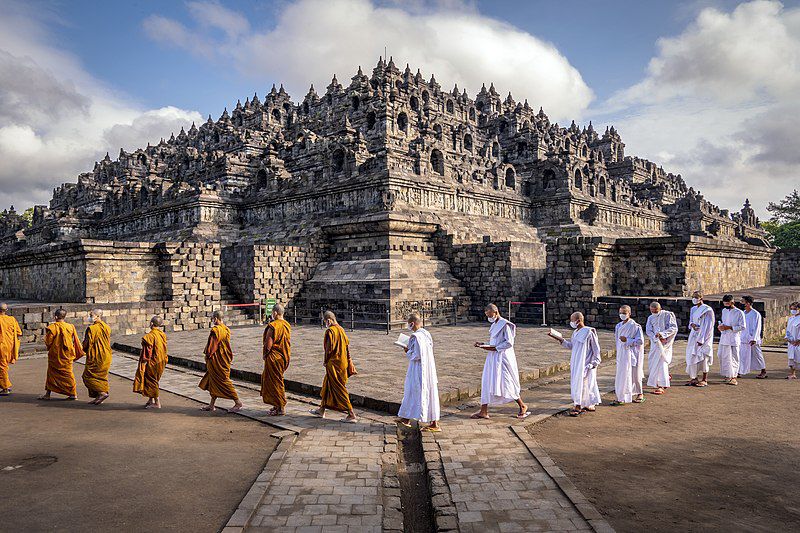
(478, 416)
(617, 403)
(589, 409)
(432, 430)
(762, 376)
(639, 400)
(404, 424)
(523, 416)
(791, 377)
(658, 391)
(575, 412)
(691, 383)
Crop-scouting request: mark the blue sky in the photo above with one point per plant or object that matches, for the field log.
(702, 87)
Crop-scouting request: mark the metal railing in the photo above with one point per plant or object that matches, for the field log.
(519, 306)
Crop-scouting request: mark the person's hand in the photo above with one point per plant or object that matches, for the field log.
(752, 343)
(699, 343)
(405, 349)
(664, 340)
(623, 338)
(694, 326)
(477, 344)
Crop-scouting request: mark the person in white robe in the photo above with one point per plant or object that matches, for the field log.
(630, 359)
(500, 381)
(421, 391)
(793, 339)
(700, 346)
(730, 339)
(661, 328)
(750, 355)
(583, 363)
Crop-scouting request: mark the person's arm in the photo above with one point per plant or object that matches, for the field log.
(326, 346)
(212, 345)
(413, 351)
(506, 339)
(86, 340)
(739, 325)
(147, 351)
(650, 329)
(636, 340)
(593, 344)
(706, 327)
(49, 336)
(756, 336)
(672, 327)
(269, 341)
(76, 342)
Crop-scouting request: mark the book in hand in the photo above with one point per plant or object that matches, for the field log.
(556, 334)
(402, 340)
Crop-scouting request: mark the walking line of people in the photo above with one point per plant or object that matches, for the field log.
(739, 353)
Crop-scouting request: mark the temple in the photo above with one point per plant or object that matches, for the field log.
(380, 195)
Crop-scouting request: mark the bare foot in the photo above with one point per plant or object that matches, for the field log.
(100, 399)
(208, 408)
(236, 408)
(70, 398)
(351, 420)
(43, 397)
(479, 415)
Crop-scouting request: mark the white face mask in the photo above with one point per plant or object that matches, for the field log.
(794, 312)
(573, 325)
(695, 301)
(491, 318)
(409, 327)
(623, 317)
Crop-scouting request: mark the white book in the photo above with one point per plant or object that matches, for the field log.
(402, 340)
(556, 334)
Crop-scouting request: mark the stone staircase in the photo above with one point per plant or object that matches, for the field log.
(530, 314)
(237, 316)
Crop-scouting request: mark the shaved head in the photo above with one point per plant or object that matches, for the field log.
(3, 308)
(626, 309)
(329, 315)
(217, 315)
(156, 321)
(491, 308)
(697, 294)
(278, 309)
(96, 313)
(577, 316)
(60, 314)
(415, 319)
(655, 306)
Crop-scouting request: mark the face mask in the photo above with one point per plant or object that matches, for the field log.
(409, 327)
(623, 317)
(794, 312)
(490, 318)
(695, 301)
(728, 306)
(573, 325)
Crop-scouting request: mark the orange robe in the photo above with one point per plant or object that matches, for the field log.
(151, 363)
(9, 347)
(275, 364)
(337, 357)
(63, 347)
(219, 357)
(97, 345)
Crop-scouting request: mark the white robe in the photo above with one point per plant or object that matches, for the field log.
(750, 355)
(793, 334)
(630, 360)
(500, 381)
(421, 391)
(729, 342)
(700, 346)
(662, 325)
(583, 364)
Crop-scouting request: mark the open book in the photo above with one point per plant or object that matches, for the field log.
(402, 340)
(556, 334)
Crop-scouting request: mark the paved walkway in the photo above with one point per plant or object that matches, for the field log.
(342, 477)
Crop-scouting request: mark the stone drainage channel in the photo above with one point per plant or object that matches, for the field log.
(411, 472)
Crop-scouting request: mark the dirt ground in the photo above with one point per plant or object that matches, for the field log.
(66, 466)
(716, 459)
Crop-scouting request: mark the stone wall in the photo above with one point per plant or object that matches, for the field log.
(786, 267)
(53, 273)
(121, 272)
(256, 271)
(496, 272)
(190, 274)
(715, 267)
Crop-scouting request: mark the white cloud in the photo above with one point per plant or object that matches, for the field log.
(719, 104)
(55, 118)
(314, 39)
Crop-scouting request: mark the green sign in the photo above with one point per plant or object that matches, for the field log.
(269, 304)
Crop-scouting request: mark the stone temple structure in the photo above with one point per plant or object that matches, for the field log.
(379, 194)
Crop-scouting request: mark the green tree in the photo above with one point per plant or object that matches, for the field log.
(787, 210)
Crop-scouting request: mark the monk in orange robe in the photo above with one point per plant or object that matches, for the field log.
(219, 357)
(277, 347)
(9, 347)
(63, 347)
(151, 364)
(97, 345)
(337, 369)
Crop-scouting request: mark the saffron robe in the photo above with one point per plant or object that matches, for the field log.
(337, 357)
(9, 347)
(750, 355)
(500, 380)
(793, 334)
(219, 358)
(97, 345)
(729, 342)
(700, 346)
(151, 363)
(421, 390)
(276, 362)
(630, 360)
(583, 364)
(63, 347)
(665, 325)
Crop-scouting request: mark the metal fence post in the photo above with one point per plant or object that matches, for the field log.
(544, 314)
(455, 311)
(352, 318)
(509, 309)
(294, 306)
(388, 318)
